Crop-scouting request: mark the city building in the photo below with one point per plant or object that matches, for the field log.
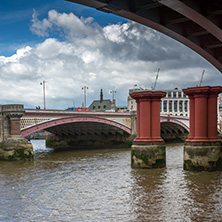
(101, 105)
(175, 103)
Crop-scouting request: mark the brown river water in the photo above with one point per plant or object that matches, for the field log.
(100, 185)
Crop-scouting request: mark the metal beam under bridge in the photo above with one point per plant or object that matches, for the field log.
(196, 24)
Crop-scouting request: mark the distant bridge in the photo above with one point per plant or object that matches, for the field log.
(65, 123)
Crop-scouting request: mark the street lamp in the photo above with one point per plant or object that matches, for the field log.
(112, 91)
(113, 100)
(84, 88)
(43, 84)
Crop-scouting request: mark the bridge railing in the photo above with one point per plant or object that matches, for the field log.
(73, 112)
(27, 122)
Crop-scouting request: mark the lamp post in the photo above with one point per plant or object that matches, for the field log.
(85, 88)
(43, 84)
(112, 91)
(113, 100)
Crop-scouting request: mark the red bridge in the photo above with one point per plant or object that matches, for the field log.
(71, 123)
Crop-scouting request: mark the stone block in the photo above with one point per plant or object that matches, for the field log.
(203, 156)
(148, 155)
(16, 149)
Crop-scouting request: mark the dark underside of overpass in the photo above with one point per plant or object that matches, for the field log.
(172, 132)
(195, 23)
(88, 134)
(90, 129)
(100, 131)
(94, 134)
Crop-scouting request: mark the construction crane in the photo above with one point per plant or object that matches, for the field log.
(201, 79)
(154, 86)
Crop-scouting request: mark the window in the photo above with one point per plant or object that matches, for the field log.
(98, 107)
(181, 106)
(165, 106)
(179, 95)
(169, 94)
(94, 107)
(175, 106)
(170, 106)
(185, 106)
(174, 95)
(104, 106)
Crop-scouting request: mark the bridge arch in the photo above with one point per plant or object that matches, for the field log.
(175, 122)
(77, 126)
(195, 24)
(173, 128)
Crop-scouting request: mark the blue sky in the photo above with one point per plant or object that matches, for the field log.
(70, 46)
(16, 15)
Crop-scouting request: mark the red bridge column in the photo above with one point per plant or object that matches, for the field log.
(202, 150)
(212, 115)
(138, 118)
(144, 119)
(148, 150)
(155, 117)
(200, 128)
(192, 118)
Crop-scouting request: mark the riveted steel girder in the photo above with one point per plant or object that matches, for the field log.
(169, 127)
(84, 129)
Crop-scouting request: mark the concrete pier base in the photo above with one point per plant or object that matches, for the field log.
(202, 150)
(16, 149)
(203, 156)
(148, 149)
(12, 145)
(148, 155)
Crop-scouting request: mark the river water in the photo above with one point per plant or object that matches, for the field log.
(99, 185)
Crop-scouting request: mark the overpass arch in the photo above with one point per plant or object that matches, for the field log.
(196, 24)
(180, 125)
(78, 126)
(172, 128)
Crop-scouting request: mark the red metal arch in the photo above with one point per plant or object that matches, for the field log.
(176, 122)
(55, 122)
(189, 22)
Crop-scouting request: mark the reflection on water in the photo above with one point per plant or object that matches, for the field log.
(99, 185)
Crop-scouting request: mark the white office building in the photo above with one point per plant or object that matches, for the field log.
(175, 103)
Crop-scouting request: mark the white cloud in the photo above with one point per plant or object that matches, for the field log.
(23, 52)
(52, 48)
(114, 32)
(116, 56)
(40, 27)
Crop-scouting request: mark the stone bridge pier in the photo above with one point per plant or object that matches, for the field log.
(203, 150)
(148, 149)
(12, 145)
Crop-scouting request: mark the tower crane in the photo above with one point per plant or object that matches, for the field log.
(201, 79)
(154, 86)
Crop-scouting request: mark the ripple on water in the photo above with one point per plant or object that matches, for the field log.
(99, 185)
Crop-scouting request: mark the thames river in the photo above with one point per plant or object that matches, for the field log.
(100, 185)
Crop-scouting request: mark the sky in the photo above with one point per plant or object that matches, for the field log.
(71, 46)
